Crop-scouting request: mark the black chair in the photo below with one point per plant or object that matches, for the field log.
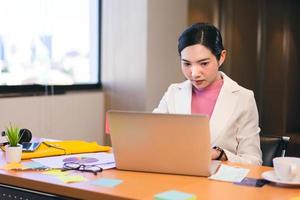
(271, 147)
(294, 145)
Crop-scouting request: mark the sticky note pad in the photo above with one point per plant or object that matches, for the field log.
(57, 172)
(13, 166)
(72, 179)
(33, 164)
(174, 195)
(106, 182)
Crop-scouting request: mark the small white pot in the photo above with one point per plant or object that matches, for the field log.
(13, 154)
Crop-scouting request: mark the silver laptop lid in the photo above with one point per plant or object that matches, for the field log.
(166, 143)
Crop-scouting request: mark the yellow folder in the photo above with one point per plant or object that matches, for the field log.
(50, 148)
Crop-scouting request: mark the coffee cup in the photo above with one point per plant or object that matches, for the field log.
(287, 168)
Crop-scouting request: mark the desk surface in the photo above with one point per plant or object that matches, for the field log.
(138, 185)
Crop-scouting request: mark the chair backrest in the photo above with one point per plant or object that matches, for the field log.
(271, 147)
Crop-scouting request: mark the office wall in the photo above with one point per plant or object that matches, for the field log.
(204, 11)
(70, 116)
(166, 20)
(124, 35)
(139, 50)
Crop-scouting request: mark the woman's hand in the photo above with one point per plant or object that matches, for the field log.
(215, 154)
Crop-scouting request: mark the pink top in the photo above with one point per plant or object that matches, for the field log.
(204, 100)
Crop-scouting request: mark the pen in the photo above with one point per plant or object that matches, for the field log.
(54, 146)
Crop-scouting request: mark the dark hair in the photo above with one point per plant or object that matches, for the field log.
(202, 33)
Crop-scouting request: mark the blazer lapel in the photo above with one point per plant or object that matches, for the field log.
(224, 107)
(183, 98)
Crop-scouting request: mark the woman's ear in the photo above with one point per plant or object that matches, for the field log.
(222, 57)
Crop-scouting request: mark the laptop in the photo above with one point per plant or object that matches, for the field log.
(164, 143)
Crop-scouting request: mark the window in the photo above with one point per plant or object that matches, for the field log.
(49, 45)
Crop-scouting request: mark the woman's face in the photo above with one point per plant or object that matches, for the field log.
(200, 66)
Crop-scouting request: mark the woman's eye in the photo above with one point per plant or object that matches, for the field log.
(186, 64)
(204, 64)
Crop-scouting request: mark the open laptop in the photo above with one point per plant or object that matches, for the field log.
(165, 143)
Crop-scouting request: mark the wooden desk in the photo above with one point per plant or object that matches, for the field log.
(139, 185)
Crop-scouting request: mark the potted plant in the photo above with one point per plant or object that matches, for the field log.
(13, 150)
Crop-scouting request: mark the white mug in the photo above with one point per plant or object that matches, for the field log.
(287, 168)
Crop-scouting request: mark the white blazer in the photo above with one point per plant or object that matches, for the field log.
(234, 121)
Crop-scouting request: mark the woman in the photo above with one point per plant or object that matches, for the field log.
(231, 108)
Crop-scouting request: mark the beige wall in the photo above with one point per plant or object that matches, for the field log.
(140, 50)
(124, 34)
(166, 20)
(70, 116)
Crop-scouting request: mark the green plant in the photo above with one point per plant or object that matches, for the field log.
(13, 136)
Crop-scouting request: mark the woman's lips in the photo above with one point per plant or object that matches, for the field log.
(198, 82)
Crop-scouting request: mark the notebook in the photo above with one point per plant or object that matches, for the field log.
(164, 143)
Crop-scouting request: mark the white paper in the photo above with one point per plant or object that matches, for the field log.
(105, 160)
(230, 174)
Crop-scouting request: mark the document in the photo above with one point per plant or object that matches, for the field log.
(230, 174)
(103, 160)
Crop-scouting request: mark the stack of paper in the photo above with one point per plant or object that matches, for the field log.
(230, 174)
